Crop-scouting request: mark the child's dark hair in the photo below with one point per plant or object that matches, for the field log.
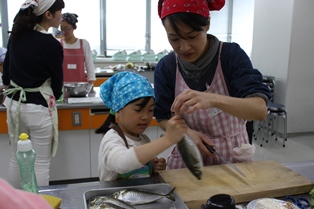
(111, 119)
(193, 21)
(25, 20)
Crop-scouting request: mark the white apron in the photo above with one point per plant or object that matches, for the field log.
(47, 93)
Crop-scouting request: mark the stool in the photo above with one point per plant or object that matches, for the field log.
(274, 110)
(270, 124)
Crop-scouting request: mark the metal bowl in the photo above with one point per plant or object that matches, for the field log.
(77, 89)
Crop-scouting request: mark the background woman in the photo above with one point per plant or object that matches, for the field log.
(210, 83)
(32, 71)
(78, 63)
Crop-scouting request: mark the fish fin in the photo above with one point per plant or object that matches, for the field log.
(170, 195)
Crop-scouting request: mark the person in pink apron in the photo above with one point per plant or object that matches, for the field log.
(78, 65)
(34, 78)
(211, 84)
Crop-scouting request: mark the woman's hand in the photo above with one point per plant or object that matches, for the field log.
(190, 100)
(199, 139)
(159, 164)
(250, 108)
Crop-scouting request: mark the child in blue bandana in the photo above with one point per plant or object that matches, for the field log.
(125, 152)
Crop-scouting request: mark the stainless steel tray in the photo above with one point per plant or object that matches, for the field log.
(161, 188)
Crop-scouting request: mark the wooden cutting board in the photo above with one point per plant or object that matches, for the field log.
(263, 179)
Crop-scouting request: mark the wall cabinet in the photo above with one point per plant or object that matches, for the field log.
(5, 154)
(72, 160)
(95, 140)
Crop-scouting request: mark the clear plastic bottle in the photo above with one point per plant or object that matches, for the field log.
(25, 157)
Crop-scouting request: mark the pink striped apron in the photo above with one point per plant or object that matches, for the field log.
(224, 130)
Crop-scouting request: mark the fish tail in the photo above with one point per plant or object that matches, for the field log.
(170, 195)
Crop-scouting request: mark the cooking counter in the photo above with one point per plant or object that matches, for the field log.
(72, 194)
(65, 105)
(77, 154)
(76, 113)
(90, 113)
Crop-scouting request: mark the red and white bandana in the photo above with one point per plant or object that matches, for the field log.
(201, 7)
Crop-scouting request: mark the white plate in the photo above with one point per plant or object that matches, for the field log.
(252, 204)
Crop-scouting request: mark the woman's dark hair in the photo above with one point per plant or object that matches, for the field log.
(111, 119)
(194, 21)
(25, 20)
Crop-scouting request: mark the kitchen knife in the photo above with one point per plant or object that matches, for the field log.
(212, 150)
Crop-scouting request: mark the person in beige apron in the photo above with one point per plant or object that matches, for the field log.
(211, 84)
(34, 79)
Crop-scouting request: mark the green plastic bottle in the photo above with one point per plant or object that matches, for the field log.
(26, 157)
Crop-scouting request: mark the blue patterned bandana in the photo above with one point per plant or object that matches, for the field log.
(124, 87)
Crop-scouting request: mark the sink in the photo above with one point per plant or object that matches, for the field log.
(104, 72)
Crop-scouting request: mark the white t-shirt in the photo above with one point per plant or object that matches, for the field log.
(114, 157)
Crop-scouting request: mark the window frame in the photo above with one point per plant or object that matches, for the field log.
(103, 28)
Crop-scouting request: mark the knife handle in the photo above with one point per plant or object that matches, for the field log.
(211, 149)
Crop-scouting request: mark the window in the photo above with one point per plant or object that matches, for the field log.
(125, 25)
(113, 25)
(88, 19)
(88, 25)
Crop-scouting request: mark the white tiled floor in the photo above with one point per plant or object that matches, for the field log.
(298, 148)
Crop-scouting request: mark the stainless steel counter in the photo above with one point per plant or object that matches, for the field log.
(65, 105)
(99, 73)
(72, 194)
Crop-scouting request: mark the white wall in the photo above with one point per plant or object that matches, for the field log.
(283, 47)
(300, 96)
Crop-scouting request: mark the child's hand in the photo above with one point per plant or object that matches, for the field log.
(176, 128)
(159, 164)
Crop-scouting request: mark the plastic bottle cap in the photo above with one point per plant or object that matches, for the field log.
(24, 144)
(23, 136)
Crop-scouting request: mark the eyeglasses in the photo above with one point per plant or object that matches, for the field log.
(66, 29)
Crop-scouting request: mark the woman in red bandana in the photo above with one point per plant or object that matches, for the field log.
(211, 84)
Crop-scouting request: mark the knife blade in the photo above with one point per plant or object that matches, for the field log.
(212, 150)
